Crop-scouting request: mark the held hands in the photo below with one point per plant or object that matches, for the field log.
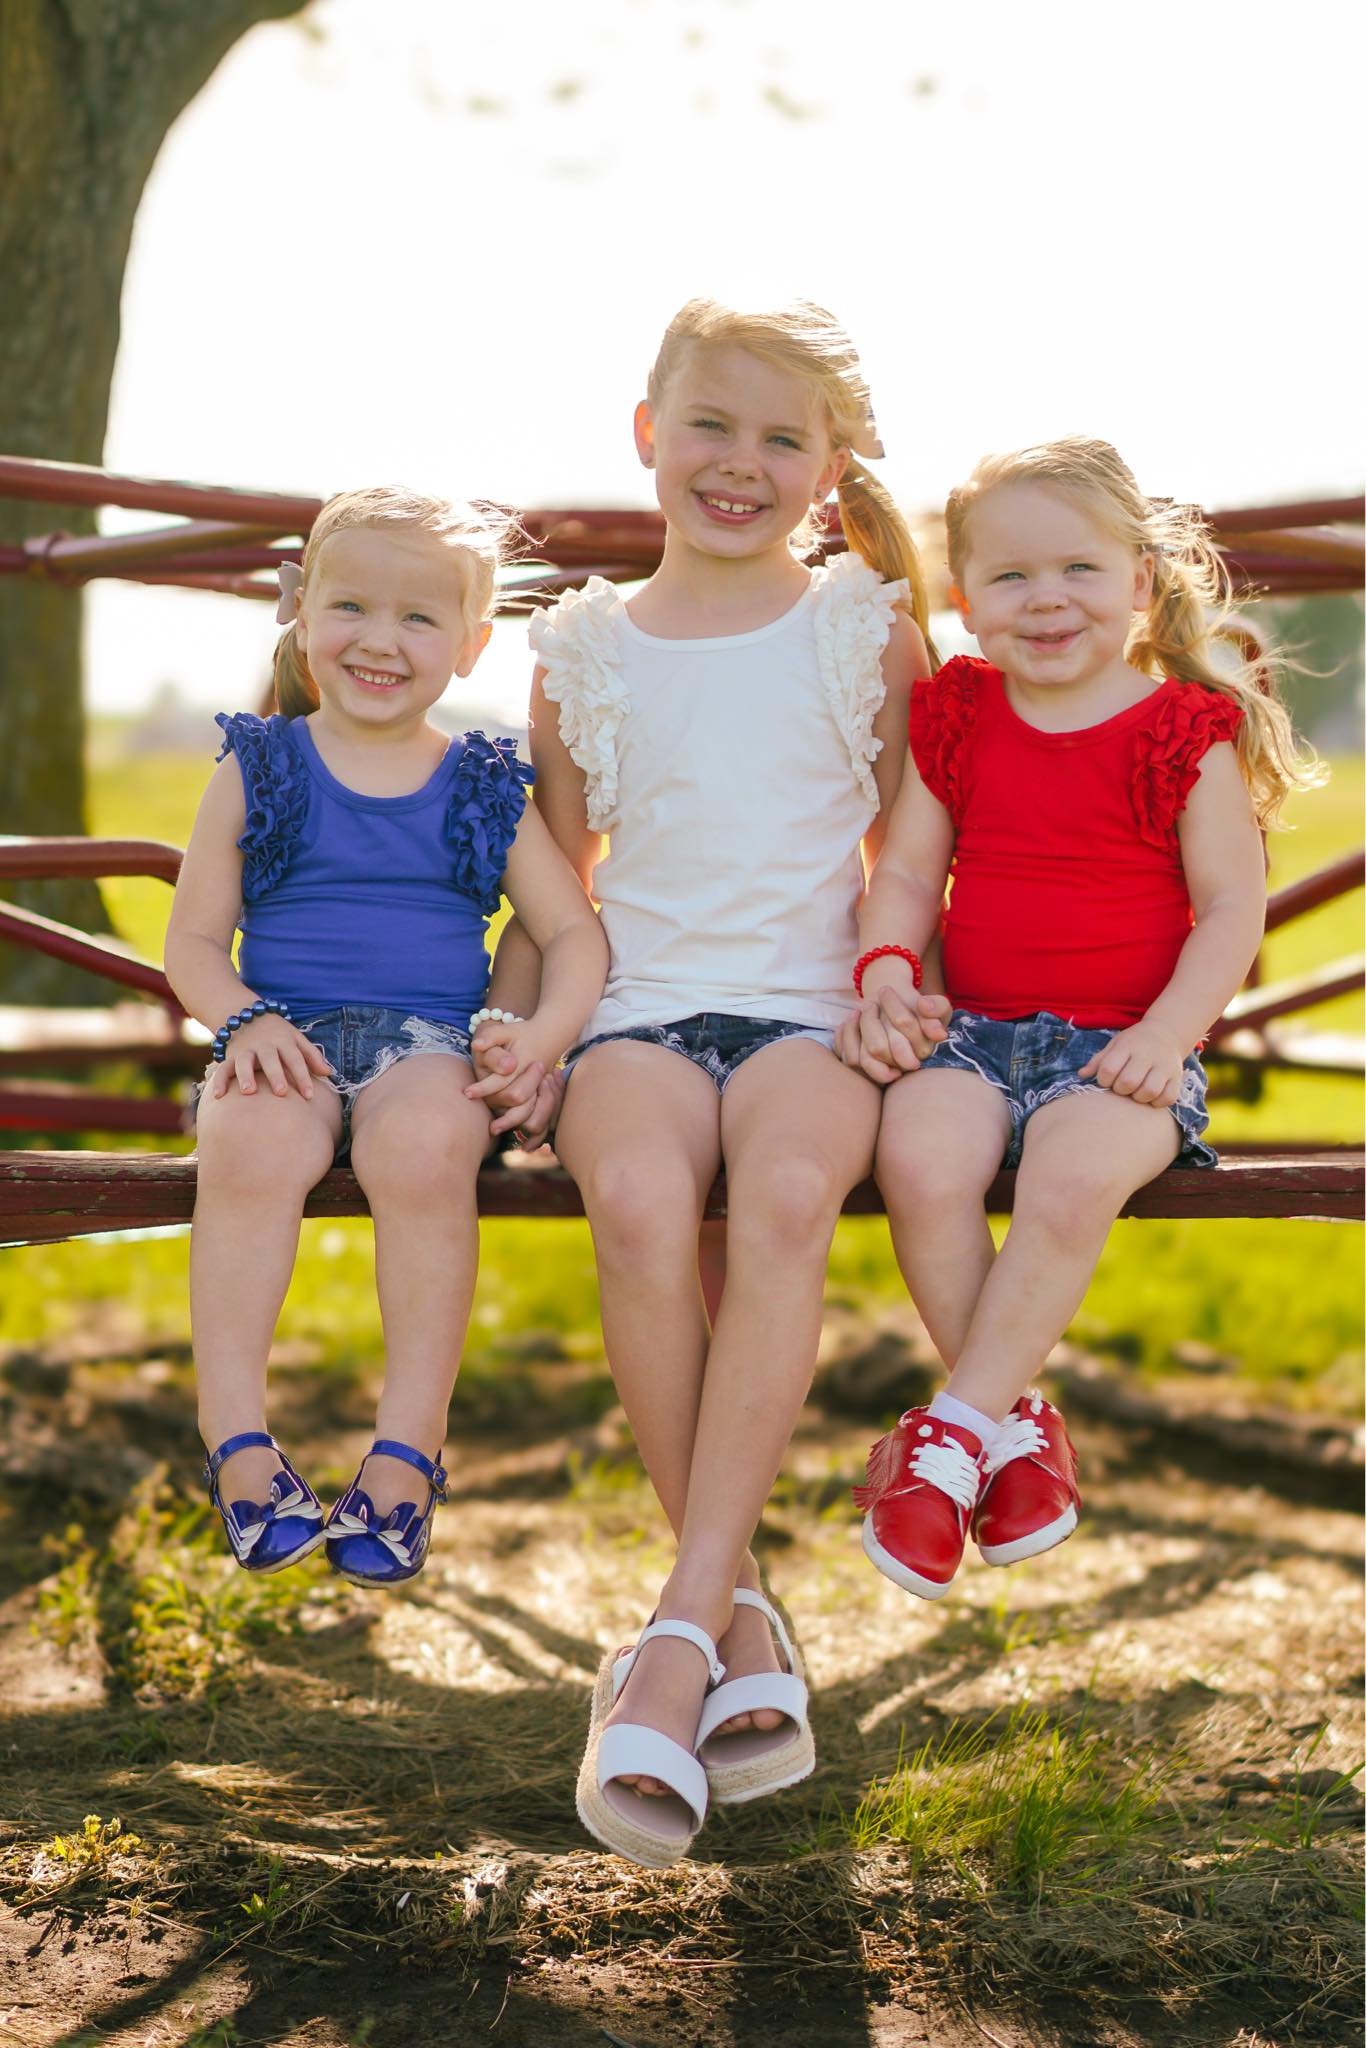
(284, 1056)
(1144, 1062)
(890, 1034)
(513, 1079)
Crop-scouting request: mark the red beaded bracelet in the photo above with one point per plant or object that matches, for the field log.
(877, 953)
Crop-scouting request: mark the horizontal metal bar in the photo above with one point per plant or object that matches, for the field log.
(1339, 878)
(58, 858)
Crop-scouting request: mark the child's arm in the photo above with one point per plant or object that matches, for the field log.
(529, 1097)
(905, 660)
(901, 907)
(560, 922)
(199, 938)
(559, 797)
(1221, 852)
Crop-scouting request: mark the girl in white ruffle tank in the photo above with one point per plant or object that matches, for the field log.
(736, 728)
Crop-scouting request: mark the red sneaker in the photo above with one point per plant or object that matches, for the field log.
(1030, 1499)
(922, 1486)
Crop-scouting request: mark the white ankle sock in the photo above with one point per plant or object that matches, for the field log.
(950, 1409)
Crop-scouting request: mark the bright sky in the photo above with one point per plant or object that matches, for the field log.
(438, 244)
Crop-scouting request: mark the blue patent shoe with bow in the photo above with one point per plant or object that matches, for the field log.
(372, 1549)
(266, 1535)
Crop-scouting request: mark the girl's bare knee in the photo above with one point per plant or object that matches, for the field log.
(422, 1154)
(640, 1205)
(790, 1200)
(261, 1148)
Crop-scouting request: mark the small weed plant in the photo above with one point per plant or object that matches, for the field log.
(171, 1615)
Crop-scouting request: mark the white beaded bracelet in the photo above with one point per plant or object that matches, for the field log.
(494, 1017)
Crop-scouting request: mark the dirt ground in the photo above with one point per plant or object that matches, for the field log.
(354, 1816)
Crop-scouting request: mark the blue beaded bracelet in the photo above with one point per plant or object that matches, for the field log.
(266, 1006)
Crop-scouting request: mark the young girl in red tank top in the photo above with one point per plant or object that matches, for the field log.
(1095, 787)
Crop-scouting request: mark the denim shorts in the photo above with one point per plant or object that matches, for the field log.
(1035, 1060)
(362, 1042)
(716, 1043)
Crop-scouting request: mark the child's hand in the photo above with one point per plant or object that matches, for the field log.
(284, 1056)
(511, 1069)
(888, 1035)
(1143, 1062)
(535, 1127)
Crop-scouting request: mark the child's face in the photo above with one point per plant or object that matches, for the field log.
(1050, 592)
(740, 450)
(381, 625)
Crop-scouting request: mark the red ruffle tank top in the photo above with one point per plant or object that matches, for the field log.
(1068, 893)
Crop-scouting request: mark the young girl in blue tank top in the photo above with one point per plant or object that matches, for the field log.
(361, 854)
(736, 727)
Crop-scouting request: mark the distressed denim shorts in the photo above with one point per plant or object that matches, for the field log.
(716, 1043)
(362, 1042)
(1035, 1060)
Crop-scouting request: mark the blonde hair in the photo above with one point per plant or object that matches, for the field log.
(478, 536)
(1191, 605)
(805, 339)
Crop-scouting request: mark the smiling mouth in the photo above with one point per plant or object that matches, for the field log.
(729, 511)
(375, 678)
(1053, 640)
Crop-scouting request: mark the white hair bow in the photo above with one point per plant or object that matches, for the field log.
(291, 577)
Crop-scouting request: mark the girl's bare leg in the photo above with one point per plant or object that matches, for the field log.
(942, 1140)
(641, 1133)
(798, 1131)
(258, 1155)
(1083, 1157)
(415, 1148)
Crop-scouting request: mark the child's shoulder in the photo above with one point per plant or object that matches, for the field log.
(1184, 720)
(487, 799)
(945, 709)
(578, 622)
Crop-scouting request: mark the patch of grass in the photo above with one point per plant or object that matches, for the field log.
(171, 1616)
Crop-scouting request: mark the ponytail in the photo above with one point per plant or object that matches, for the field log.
(295, 690)
(875, 529)
(1189, 614)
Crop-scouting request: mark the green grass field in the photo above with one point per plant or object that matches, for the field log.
(1285, 1298)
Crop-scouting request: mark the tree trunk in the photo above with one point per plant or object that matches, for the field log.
(88, 89)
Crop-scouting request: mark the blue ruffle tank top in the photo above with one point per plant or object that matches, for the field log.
(381, 900)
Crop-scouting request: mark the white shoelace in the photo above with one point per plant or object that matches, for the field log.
(1021, 1437)
(948, 1467)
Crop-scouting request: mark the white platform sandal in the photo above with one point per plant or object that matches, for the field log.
(751, 1761)
(644, 1827)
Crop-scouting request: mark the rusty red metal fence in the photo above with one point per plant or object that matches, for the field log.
(231, 541)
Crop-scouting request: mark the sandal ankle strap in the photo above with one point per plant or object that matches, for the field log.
(431, 1469)
(246, 1440)
(744, 1598)
(687, 1632)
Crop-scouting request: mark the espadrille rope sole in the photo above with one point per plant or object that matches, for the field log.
(754, 1761)
(646, 1828)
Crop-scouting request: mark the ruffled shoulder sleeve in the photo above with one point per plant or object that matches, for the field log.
(488, 796)
(577, 644)
(275, 784)
(854, 610)
(1186, 722)
(944, 711)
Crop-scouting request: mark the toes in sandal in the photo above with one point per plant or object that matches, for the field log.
(372, 1549)
(266, 1535)
(751, 1761)
(643, 1827)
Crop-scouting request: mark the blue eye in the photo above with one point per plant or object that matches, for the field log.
(422, 618)
(1008, 576)
(709, 423)
(785, 441)
(345, 604)
(1080, 565)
